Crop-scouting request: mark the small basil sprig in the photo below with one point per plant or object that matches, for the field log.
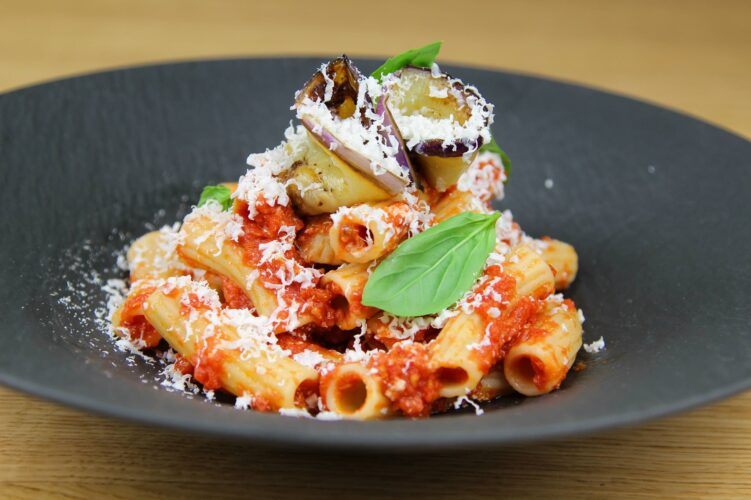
(219, 193)
(493, 147)
(431, 271)
(424, 57)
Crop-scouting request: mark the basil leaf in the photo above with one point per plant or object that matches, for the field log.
(424, 57)
(493, 147)
(219, 193)
(431, 271)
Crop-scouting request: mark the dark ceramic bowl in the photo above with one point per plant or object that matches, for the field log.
(656, 203)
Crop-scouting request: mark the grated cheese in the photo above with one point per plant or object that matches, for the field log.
(417, 128)
(309, 358)
(465, 399)
(595, 347)
(244, 401)
(374, 140)
(484, 177)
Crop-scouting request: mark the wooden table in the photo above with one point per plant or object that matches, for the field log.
(694, 56)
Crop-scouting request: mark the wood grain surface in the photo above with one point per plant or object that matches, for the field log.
(690, 55)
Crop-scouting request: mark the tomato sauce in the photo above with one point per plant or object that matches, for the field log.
(268, 225)
(194, 303)
(296, 345)
(132, 318)
(408, 378)
(508, 324)
(381, 332)
(208, 365)
(354, 236)
(182, 365)
(317, 226)
(260, 403)
(234, 296)
(341, 307)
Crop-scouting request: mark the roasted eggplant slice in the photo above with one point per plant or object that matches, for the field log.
(320, 182)
(392, 132)
(338, 113)
(442, 121)
(335, 85)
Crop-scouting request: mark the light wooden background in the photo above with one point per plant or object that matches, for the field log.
(690, 55)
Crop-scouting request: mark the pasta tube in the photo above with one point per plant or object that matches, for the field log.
(492, 385)
(456, 202)
(314, 242)
(367, 232)
(347, 283)
(208, 339)
(539, 364)
(152, 256)
(458, 371)
(353, 391)
(222, 256)
(563, 259)
(129, 321)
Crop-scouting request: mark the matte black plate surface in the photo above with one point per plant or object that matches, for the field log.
(656, 204)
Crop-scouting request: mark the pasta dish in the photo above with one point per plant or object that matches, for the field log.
(358, 269)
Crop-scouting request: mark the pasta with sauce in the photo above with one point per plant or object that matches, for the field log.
(261, 292)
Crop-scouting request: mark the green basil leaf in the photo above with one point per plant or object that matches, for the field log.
(493, 147)
(424, 57)
(219, 193)
(431, 271)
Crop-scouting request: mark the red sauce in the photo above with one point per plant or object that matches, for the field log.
(409, 381)
(540, 378)
(260, 403)
(380, 331)
(234, 296)
(296, 345)
(340, 307)
(508, 327)
(315, 227)
(267, 226)
(194, 303)
(209, 365)
(182, 365)
(132, 318)
(355, 236)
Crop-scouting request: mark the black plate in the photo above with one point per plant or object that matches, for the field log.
(656, 204)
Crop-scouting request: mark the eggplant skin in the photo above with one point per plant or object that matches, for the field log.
(441, 108)
(435, 147)
(440, 160)
(344, 96)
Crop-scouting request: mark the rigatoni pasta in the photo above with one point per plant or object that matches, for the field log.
(225, 350)
(458, 368)
(359, 270)
(367, 232)
(538, 364)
